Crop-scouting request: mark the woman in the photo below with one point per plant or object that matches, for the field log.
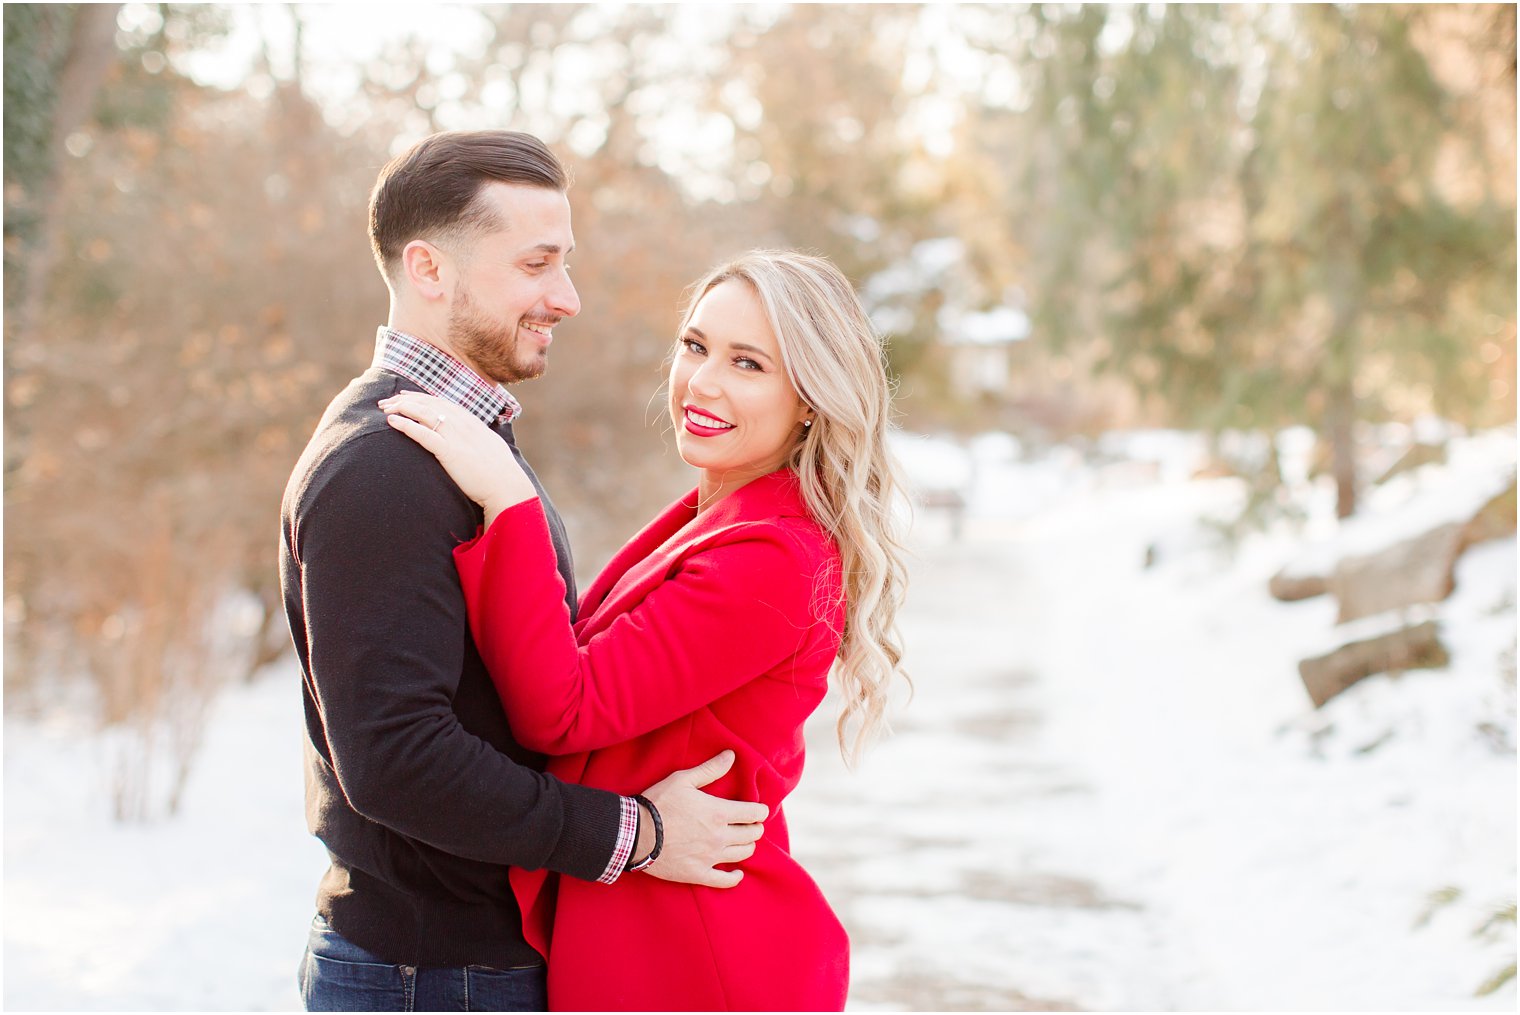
(715, 627)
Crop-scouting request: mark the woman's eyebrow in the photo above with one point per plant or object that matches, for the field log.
(737, 346)
(746, 347)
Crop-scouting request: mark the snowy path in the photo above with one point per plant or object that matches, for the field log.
(948, 854)
(1104, 795)
(1108, 793)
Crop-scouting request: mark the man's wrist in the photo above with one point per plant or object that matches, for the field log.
(656, 831)
(623, 848)
(643, 839)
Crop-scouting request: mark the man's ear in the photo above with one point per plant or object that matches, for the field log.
(424, 268)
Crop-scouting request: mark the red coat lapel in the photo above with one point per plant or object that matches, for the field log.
(675, 534)
(642, 546)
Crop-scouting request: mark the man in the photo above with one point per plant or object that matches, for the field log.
(413, 779)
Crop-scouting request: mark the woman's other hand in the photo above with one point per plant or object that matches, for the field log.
(474, 456)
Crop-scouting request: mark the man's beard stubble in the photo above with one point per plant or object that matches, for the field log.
(479, 339)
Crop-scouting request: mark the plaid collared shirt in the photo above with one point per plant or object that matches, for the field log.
(440, 374)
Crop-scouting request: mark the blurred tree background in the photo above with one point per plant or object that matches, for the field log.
(1217, 218)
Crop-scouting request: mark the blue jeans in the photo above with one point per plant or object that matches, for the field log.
(338, 975)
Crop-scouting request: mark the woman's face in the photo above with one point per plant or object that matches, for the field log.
(736, 413)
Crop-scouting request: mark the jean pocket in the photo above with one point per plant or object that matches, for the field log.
(490, 989)
(336, 984)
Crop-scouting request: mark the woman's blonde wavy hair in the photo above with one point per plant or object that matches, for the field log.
(848, 477)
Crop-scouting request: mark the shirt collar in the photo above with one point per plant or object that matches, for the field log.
(438, 373)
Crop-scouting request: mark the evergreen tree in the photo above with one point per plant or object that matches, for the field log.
(1259, 207)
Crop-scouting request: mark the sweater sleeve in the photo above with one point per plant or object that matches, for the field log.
(727, 615)
(386, 636)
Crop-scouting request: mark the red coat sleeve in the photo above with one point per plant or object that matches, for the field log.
(726, 615)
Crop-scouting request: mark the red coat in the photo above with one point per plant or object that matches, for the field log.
(703, 633)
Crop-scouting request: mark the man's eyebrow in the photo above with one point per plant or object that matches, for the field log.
(552, 248)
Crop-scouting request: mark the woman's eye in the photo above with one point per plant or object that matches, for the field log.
(692, 345)
(745, 363)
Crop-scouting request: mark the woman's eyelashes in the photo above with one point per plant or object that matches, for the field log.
(698, 349)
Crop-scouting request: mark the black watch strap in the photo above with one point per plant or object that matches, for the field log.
(659, 834)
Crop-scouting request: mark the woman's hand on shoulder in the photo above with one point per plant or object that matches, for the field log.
(472, 453)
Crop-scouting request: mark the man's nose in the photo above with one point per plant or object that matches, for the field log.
(563, 299)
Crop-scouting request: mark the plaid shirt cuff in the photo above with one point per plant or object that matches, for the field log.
(628, 835)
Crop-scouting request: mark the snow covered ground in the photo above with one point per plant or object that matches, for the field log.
(203, 912)
(1108, 792)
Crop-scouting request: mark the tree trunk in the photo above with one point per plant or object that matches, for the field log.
(92, 49)
(91, 52)
(1344, 289)
(1340, 421)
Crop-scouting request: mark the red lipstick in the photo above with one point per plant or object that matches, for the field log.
(700, 422)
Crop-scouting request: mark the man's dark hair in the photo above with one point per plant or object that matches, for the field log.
(434, 187)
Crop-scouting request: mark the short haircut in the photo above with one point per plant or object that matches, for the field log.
(434, 187)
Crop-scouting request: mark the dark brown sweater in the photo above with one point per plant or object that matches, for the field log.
(413, 779)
